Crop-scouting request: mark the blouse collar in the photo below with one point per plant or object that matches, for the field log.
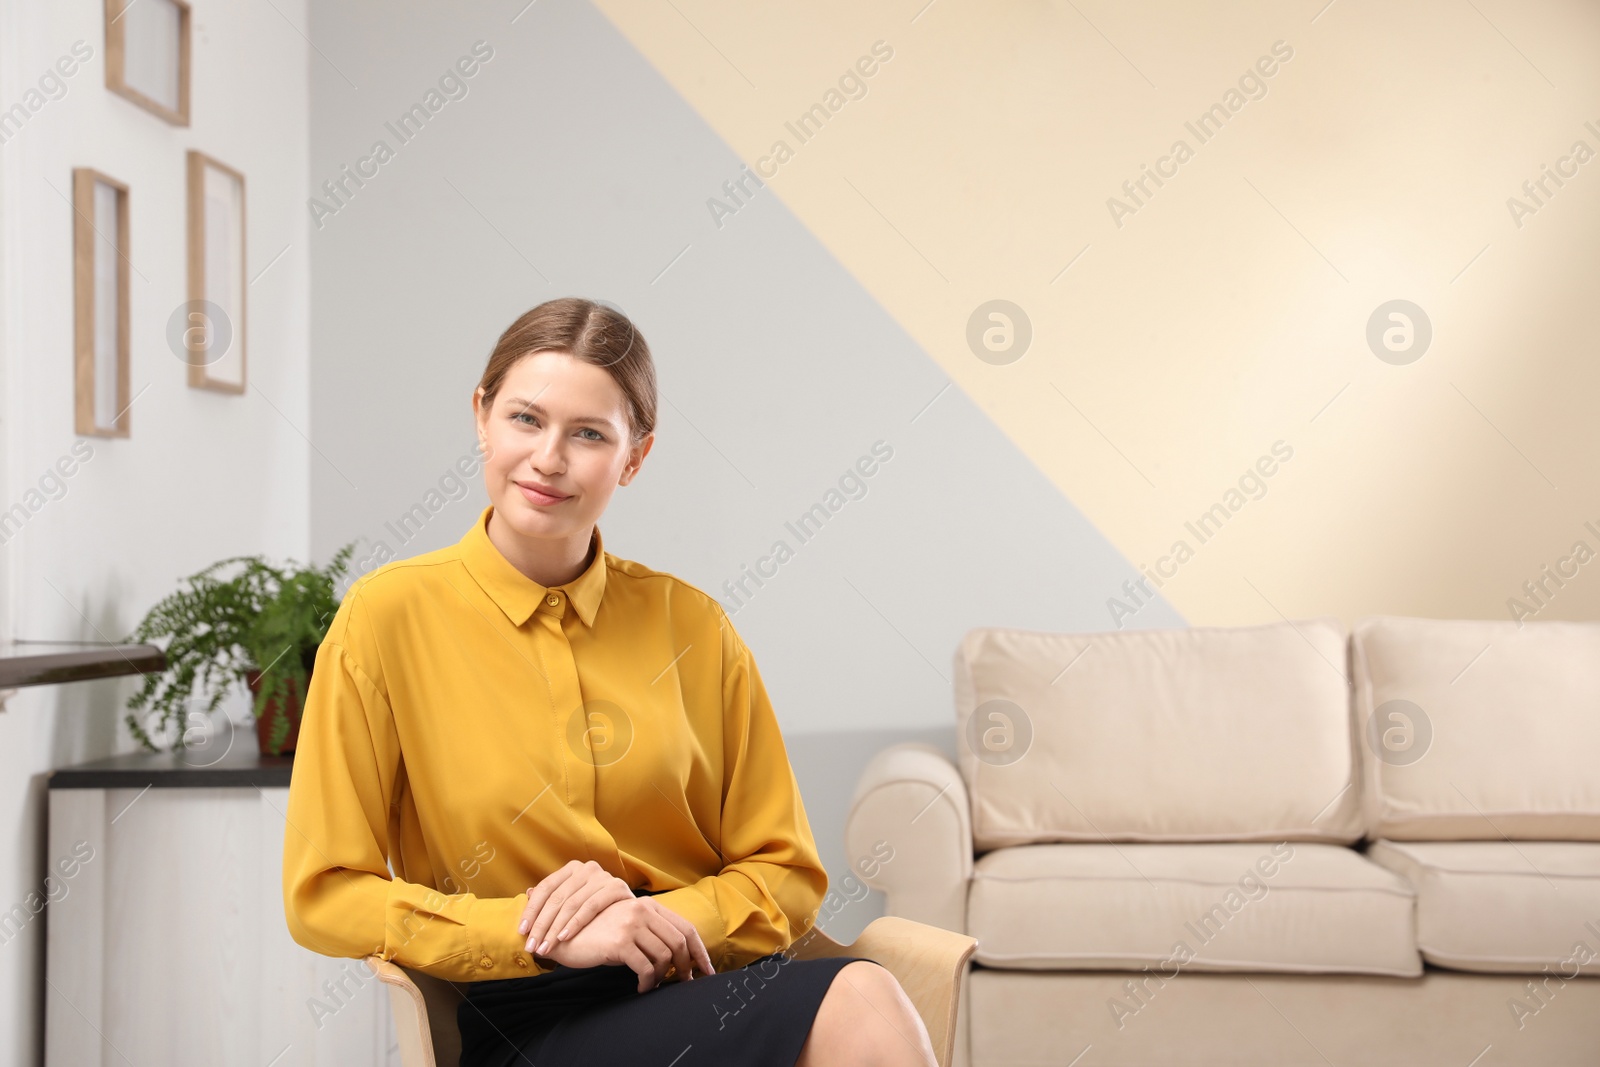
(516, 593)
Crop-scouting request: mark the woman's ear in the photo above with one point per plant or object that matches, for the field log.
(480, 417)
(636, 458)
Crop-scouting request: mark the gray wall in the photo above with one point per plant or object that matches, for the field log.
(571, 167)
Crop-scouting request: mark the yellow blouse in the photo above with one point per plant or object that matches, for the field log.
(467, 731)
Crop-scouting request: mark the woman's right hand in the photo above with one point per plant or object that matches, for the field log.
(641, 934)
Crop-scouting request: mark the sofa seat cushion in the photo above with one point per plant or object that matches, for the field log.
(1237, 906)
(1504, 906)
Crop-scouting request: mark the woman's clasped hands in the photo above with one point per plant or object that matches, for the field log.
(582, 916)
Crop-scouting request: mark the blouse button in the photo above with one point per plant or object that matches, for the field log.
(553, 600)
(522, 960)
(486, 963)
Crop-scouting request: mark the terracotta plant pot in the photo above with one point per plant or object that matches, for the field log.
(269, 715)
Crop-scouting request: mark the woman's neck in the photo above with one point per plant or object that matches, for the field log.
(550, 562)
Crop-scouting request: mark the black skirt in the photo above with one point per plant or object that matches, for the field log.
(756, 1016)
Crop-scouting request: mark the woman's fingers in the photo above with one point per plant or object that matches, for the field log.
(635, 958)
(562, 911)
(656, 956)
(569, 898)
(539, 923)
(541, 892)
(552, 893)
(676, 941)
(587, 902)
(697, 947)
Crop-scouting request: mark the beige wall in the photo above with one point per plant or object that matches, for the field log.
(1370, 157)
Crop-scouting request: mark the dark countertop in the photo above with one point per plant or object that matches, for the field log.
(241, 766)
(25, 663)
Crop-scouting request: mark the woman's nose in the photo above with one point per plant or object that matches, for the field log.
(547, 456)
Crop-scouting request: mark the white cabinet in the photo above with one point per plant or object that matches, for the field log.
(166, 941)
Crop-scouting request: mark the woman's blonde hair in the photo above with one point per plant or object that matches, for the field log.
(591, 331)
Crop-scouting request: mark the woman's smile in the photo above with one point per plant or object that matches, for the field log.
(542, 495)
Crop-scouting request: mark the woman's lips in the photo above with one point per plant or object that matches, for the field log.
(534, 496)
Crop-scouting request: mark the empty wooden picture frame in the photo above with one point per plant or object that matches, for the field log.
(100, 297)
(147, 55)
(215, 334)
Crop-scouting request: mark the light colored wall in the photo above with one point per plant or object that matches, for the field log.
(204, 475)
(1229, 311)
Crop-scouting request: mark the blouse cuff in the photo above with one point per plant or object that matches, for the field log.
(499, 951)
(460, 938)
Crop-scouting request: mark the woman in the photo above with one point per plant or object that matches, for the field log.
(554, 774)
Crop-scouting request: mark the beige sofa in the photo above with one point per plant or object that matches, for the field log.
(1282, 844)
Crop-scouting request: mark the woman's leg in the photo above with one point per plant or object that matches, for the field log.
(866, 1020)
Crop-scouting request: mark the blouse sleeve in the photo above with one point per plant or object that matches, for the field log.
(339, 896)
(772, 880)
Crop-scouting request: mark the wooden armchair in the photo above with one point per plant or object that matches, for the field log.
(926, 960)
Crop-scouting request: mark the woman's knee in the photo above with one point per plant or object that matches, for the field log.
(874, 982)
(866, 1011)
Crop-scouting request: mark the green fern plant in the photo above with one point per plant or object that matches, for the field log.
(263, 618)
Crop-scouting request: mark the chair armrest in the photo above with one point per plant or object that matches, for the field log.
(424, 1009)
(909, 834)
(927, 962)
(410, 1013)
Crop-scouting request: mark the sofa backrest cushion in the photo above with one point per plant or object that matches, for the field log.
(1479, 729)
(1203, 734)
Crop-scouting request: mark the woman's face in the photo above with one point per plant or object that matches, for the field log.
(557, 424)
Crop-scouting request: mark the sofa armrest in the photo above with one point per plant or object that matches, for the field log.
(909, 834)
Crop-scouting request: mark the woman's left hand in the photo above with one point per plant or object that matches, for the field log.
(565, 901)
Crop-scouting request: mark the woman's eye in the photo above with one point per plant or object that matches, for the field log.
(532, 420)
